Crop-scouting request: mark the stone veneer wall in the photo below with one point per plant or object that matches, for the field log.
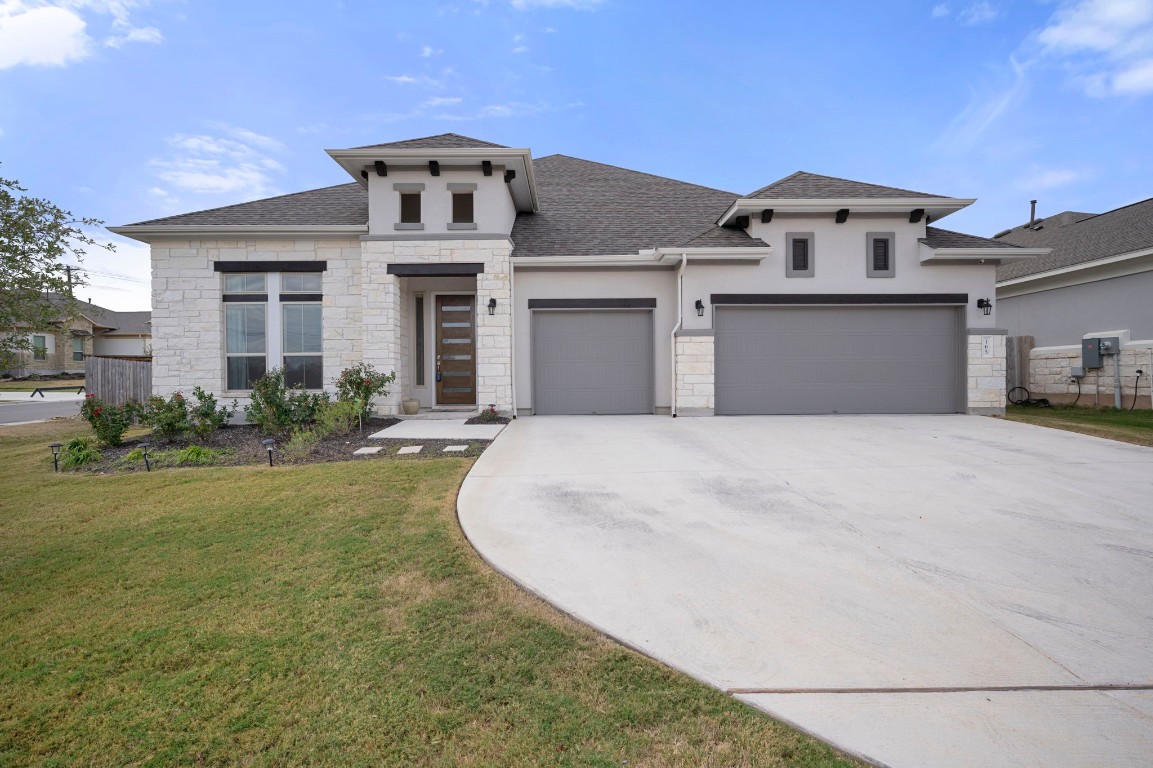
(986, 373)
(694, 367)
(1050, 370)
(188, 316)
(385, 315)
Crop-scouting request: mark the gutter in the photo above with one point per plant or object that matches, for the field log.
(676, 328)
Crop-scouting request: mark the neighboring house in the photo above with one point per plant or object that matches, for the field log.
(93, 331)
(1096, 281)
(565, 286)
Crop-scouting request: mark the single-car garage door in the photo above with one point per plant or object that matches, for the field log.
(592, 361)
(838, 360)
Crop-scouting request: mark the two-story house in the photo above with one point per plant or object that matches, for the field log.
(565, 286)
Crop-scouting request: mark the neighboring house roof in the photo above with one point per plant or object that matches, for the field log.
(944, 238)
(589, 208)
(440, 141)
(342, 204)
(1122, 230)
(115, 323)
(723, 237)
(811, 186)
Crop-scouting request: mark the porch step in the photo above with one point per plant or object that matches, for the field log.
(441, 413)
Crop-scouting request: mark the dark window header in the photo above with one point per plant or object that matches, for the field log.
(270, 266)
(465, 269)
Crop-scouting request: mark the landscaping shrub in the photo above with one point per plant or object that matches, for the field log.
(276, 409)
(360, 383)
(205, 417)
(109, 422)
(337, 418)
(168, 417)
(489, 415)
(78, 452)
(197, 456)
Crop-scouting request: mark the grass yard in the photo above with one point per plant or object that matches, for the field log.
(321, 615)
(28, 386)
(1127, 426)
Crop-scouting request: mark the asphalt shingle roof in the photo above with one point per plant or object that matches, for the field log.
(120, 323)
(342, 204)
(589, 209)
(812, 186)
(440, 141)
(1122, 230)
(944, 238)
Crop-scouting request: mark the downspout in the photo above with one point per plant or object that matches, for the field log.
(676, 328)
(512, 331)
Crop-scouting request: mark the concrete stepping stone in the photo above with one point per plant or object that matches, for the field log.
(411, 449)
(455, 448)
(366, 451)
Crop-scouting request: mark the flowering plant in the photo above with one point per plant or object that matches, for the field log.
(109, 422)
(360, 384)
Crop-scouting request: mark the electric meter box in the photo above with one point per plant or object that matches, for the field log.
(1093, 349)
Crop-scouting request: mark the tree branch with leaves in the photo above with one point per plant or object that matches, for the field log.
(41, 248)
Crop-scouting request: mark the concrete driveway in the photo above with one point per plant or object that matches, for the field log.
(917, 590)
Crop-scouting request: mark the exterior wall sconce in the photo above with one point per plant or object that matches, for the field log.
(143, 447)
(268, 444)
(985, 306)
(700, 308)
(492, 306)
(56, 456)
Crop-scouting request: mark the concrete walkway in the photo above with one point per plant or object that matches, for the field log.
(918, 590)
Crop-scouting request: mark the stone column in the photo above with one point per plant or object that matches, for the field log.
(382, 322)
(986, 372)
(494, 333)
(695, 378)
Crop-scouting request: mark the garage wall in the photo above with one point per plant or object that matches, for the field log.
(840, 267)
(531, 283)
(1063, 315)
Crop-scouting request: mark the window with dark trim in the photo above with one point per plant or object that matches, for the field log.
(799, 256)
(262, 325)
(419, 340)
(409, 207)
(78, 350)
(39, 347)
(880, 256)
(462, 208)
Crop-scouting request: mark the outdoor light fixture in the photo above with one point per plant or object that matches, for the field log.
(56, 456)
(268, 443)
(143, 447)
(700, 308)
(492, 306)
(985, 306)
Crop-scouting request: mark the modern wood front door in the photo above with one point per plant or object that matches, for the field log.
(456, 350)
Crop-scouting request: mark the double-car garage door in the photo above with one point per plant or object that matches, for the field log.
(838, 359)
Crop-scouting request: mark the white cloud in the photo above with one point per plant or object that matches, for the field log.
(41, 36)
(985, 107)
(520, 49)
(580, 5)
(56, 32)
(979, 12)
(1048, 179)
(414, 80)
(441, 101)
(427, 51)
(234, 165)
(940, 11)
(1107, 44)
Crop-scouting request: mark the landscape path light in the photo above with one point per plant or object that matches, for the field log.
(268, 444)
(144, 448)
(56, 456)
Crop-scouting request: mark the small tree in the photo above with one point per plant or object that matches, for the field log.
(360, 384)
(36, 237)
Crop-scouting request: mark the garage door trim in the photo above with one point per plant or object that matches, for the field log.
(840, 299)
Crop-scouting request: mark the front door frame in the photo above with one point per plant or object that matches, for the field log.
(435, 328)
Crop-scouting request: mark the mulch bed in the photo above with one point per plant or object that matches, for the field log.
(241, 445)
(489, 420)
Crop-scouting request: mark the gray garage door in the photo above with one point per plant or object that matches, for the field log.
(838, 360)
(595, 361)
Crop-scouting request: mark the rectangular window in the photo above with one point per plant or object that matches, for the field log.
(244, 284)
(246, 335)
(799, 254)
(78, 350)
(300, 282)
(409, 207)
(302, 345)
(880, 257)
(462, 212)
(39, 348)
(419, 340)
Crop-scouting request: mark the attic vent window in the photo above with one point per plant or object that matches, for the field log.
(880, 254)
(799, 254)
(409, 207)
(462, 208)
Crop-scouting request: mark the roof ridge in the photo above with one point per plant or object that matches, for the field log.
(809, 175)
(639, 173)
(782, 180)
(488, 144)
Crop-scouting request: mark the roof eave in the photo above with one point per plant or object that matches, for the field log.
(936, 207)
(523, 187)
(146, 233)
(993, 256)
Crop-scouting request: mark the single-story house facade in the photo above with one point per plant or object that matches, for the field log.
(1095, 282)
(483, 276)
(91, 331)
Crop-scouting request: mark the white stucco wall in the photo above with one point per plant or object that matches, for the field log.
(599, 284)
(131, 346)
(493, 207)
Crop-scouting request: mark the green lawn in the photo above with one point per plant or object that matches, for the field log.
(322, 615)
(28, 386)
(1127, 426)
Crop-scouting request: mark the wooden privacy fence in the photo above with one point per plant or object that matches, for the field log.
(1017, 350)
(117, 380)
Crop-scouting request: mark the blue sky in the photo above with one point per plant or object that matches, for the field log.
(132, 109)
